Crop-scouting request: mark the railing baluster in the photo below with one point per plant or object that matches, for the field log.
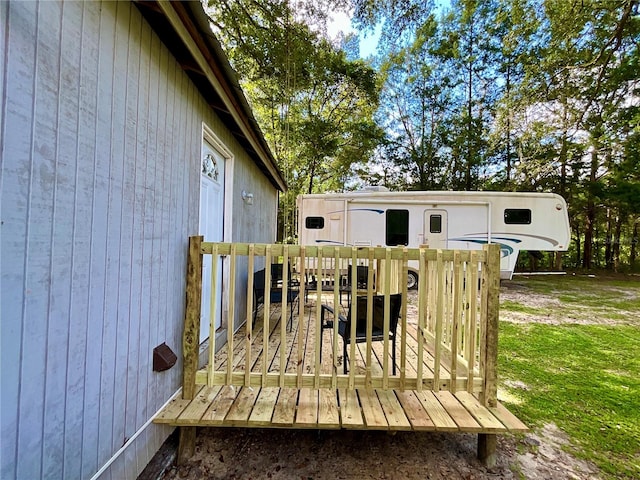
(404, 274)
(370, 283)
(301, 322)
(266, 306)
(440, 294)
(422, 313)
(212, 315)
(284, 317)
(232, 308)
(319, 260)
(455, 324)
(473, 316)
(387, 315)
(354, 319)
(249, 322)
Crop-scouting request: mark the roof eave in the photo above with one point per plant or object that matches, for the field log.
(184, 28)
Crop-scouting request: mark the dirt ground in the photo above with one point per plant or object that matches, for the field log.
(230, 453)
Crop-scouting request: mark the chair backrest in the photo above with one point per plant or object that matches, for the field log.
(276, 277)
(378, 313)
(362, 276)
(258, 283)
(276, 273)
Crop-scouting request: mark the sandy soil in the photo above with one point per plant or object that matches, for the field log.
(229, 453)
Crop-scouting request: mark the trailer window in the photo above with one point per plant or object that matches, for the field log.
(435, 224)
(397, 228)
(314, 223)
(517, 216)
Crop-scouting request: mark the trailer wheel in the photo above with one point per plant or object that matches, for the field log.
(412, 280)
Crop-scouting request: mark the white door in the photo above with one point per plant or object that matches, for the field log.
(211, 227)
(435, 228)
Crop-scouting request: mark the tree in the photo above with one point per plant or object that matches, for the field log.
(313, 103)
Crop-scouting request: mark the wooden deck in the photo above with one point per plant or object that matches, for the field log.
(428, 409)
(447, 339)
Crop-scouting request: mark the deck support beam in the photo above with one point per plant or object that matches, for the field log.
(487, 446)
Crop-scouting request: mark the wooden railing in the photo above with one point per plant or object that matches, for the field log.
(449, 342)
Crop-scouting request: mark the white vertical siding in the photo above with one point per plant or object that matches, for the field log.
(100, 160)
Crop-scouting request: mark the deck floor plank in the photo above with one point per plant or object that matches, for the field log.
(439, 415)
(174, 409)
(508, 419)
(196, 408)
(416, 414)
(350, 411)
(307, 412)
(285, 410)
(263, 409)
(458, 413)
(372, 410)
(393, 410)
(482, 415)
(328, 410)
(218, 410)
(240, 411)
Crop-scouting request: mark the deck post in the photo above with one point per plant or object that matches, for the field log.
(487, 444)
(489, 397)
(191, 341)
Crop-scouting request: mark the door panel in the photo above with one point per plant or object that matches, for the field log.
(435, 228)
(212, 228)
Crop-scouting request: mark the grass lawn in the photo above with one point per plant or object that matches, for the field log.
(583, 375)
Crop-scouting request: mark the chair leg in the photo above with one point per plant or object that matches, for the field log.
(393, 355)
(345, 357)
(291, 316)
(255, 311)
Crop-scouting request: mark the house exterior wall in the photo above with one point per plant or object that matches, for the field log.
(101, 135)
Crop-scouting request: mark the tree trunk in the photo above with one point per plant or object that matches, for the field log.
(587, 256)
(608, 252)
(616, 243)
(577, 240)
(508, 95)
(470, 142)
(634, 244)
(587, 260)
(558, 262)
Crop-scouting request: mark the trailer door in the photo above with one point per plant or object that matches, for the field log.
(435, 228)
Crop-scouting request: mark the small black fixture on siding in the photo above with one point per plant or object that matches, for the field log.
(163, 358)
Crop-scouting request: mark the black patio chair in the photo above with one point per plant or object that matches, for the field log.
(377, 331)
(275, 291)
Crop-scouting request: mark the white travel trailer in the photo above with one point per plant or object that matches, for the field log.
(446, 220)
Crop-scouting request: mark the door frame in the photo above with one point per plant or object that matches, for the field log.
(209, 136)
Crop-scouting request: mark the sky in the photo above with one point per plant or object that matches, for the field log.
(341, 22)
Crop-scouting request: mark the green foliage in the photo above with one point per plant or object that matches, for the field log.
(314, 104)
(518, 95)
